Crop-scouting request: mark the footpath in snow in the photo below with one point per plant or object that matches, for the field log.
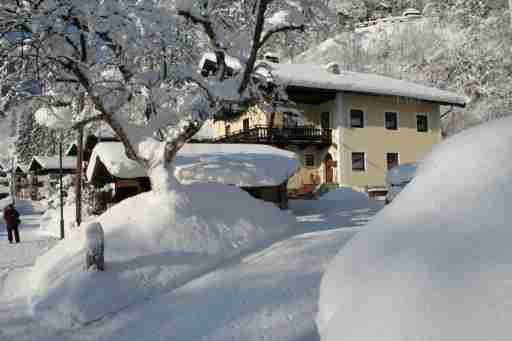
(18, 258)
(16, 261)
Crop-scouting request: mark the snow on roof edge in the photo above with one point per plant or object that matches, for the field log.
(317, 77)
(52, 162)
(243, 165)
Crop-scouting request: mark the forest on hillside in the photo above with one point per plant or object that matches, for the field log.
(459, 45)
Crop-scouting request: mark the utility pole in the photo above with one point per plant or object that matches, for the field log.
(78, 176)
(61, 190)
(13, 181)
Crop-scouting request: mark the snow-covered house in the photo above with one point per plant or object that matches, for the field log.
(43, 174)
(356, 125)
(114, 176)
(261, 170)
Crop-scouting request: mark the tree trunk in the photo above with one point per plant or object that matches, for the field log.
(510, 11)
(162, 178)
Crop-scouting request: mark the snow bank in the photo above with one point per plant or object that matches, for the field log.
(436, 264)
(149, 249)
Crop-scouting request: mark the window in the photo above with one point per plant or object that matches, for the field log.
(228, 129)
(422, 123)
(309, 160)
(393, 160)
(325, 120)
(391, 120)
(356, 118)
(246, 124)
(358, 162)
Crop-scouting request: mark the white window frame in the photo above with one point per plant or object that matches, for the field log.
(429, 122)
(399, 160)
(397, 120)
(314, 160)
(365, 118)
(365, 154)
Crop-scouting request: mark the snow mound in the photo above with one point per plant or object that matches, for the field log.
(150, 248)
(436, 264)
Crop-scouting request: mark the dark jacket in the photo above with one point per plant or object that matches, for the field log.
(11, 217)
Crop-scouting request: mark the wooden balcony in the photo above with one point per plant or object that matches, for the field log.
(301, 135)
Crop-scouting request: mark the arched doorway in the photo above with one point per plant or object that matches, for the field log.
(328, 167)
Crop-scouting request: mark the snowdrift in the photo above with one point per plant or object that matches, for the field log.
(146, 254)
(436, 264)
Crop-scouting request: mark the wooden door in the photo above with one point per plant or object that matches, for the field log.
(329, 171)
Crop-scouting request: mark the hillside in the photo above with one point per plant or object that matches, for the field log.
(442, 52)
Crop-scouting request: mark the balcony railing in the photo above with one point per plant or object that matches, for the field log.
(280, 135)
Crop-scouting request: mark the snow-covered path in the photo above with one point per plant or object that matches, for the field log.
(16, 261)
(15, 257)
(269, 294)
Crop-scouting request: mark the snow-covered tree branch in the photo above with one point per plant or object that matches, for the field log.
(132, 65)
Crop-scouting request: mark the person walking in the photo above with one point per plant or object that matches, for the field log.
(12, 221)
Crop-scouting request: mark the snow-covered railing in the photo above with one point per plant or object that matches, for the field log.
(280, 135)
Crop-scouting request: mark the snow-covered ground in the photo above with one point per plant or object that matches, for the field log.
(270, 293)
(33, 241)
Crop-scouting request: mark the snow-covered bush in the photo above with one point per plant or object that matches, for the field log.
(436, 263)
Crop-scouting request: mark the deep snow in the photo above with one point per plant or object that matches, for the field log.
(267, 294)
(436, 264)
(150, 249)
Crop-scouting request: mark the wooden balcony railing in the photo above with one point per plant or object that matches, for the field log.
(280, 135)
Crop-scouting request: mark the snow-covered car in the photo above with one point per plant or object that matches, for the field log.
(397, 178)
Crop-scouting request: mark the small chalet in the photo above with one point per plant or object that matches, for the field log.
(262, 171)
(113, 175)
(43, 174)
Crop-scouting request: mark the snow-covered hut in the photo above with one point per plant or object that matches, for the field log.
(114, 176)
(44, 171)
(262, 171)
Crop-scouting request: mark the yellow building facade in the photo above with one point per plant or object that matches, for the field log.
(373, 141)
(350, 128)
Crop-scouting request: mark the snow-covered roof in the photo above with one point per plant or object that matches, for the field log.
(317, 77)
(71, 149)
(231, 62)
(113, 157)
(411, 11)
(105, 132)
(244, 165)
(52, 162)
(21, 168)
